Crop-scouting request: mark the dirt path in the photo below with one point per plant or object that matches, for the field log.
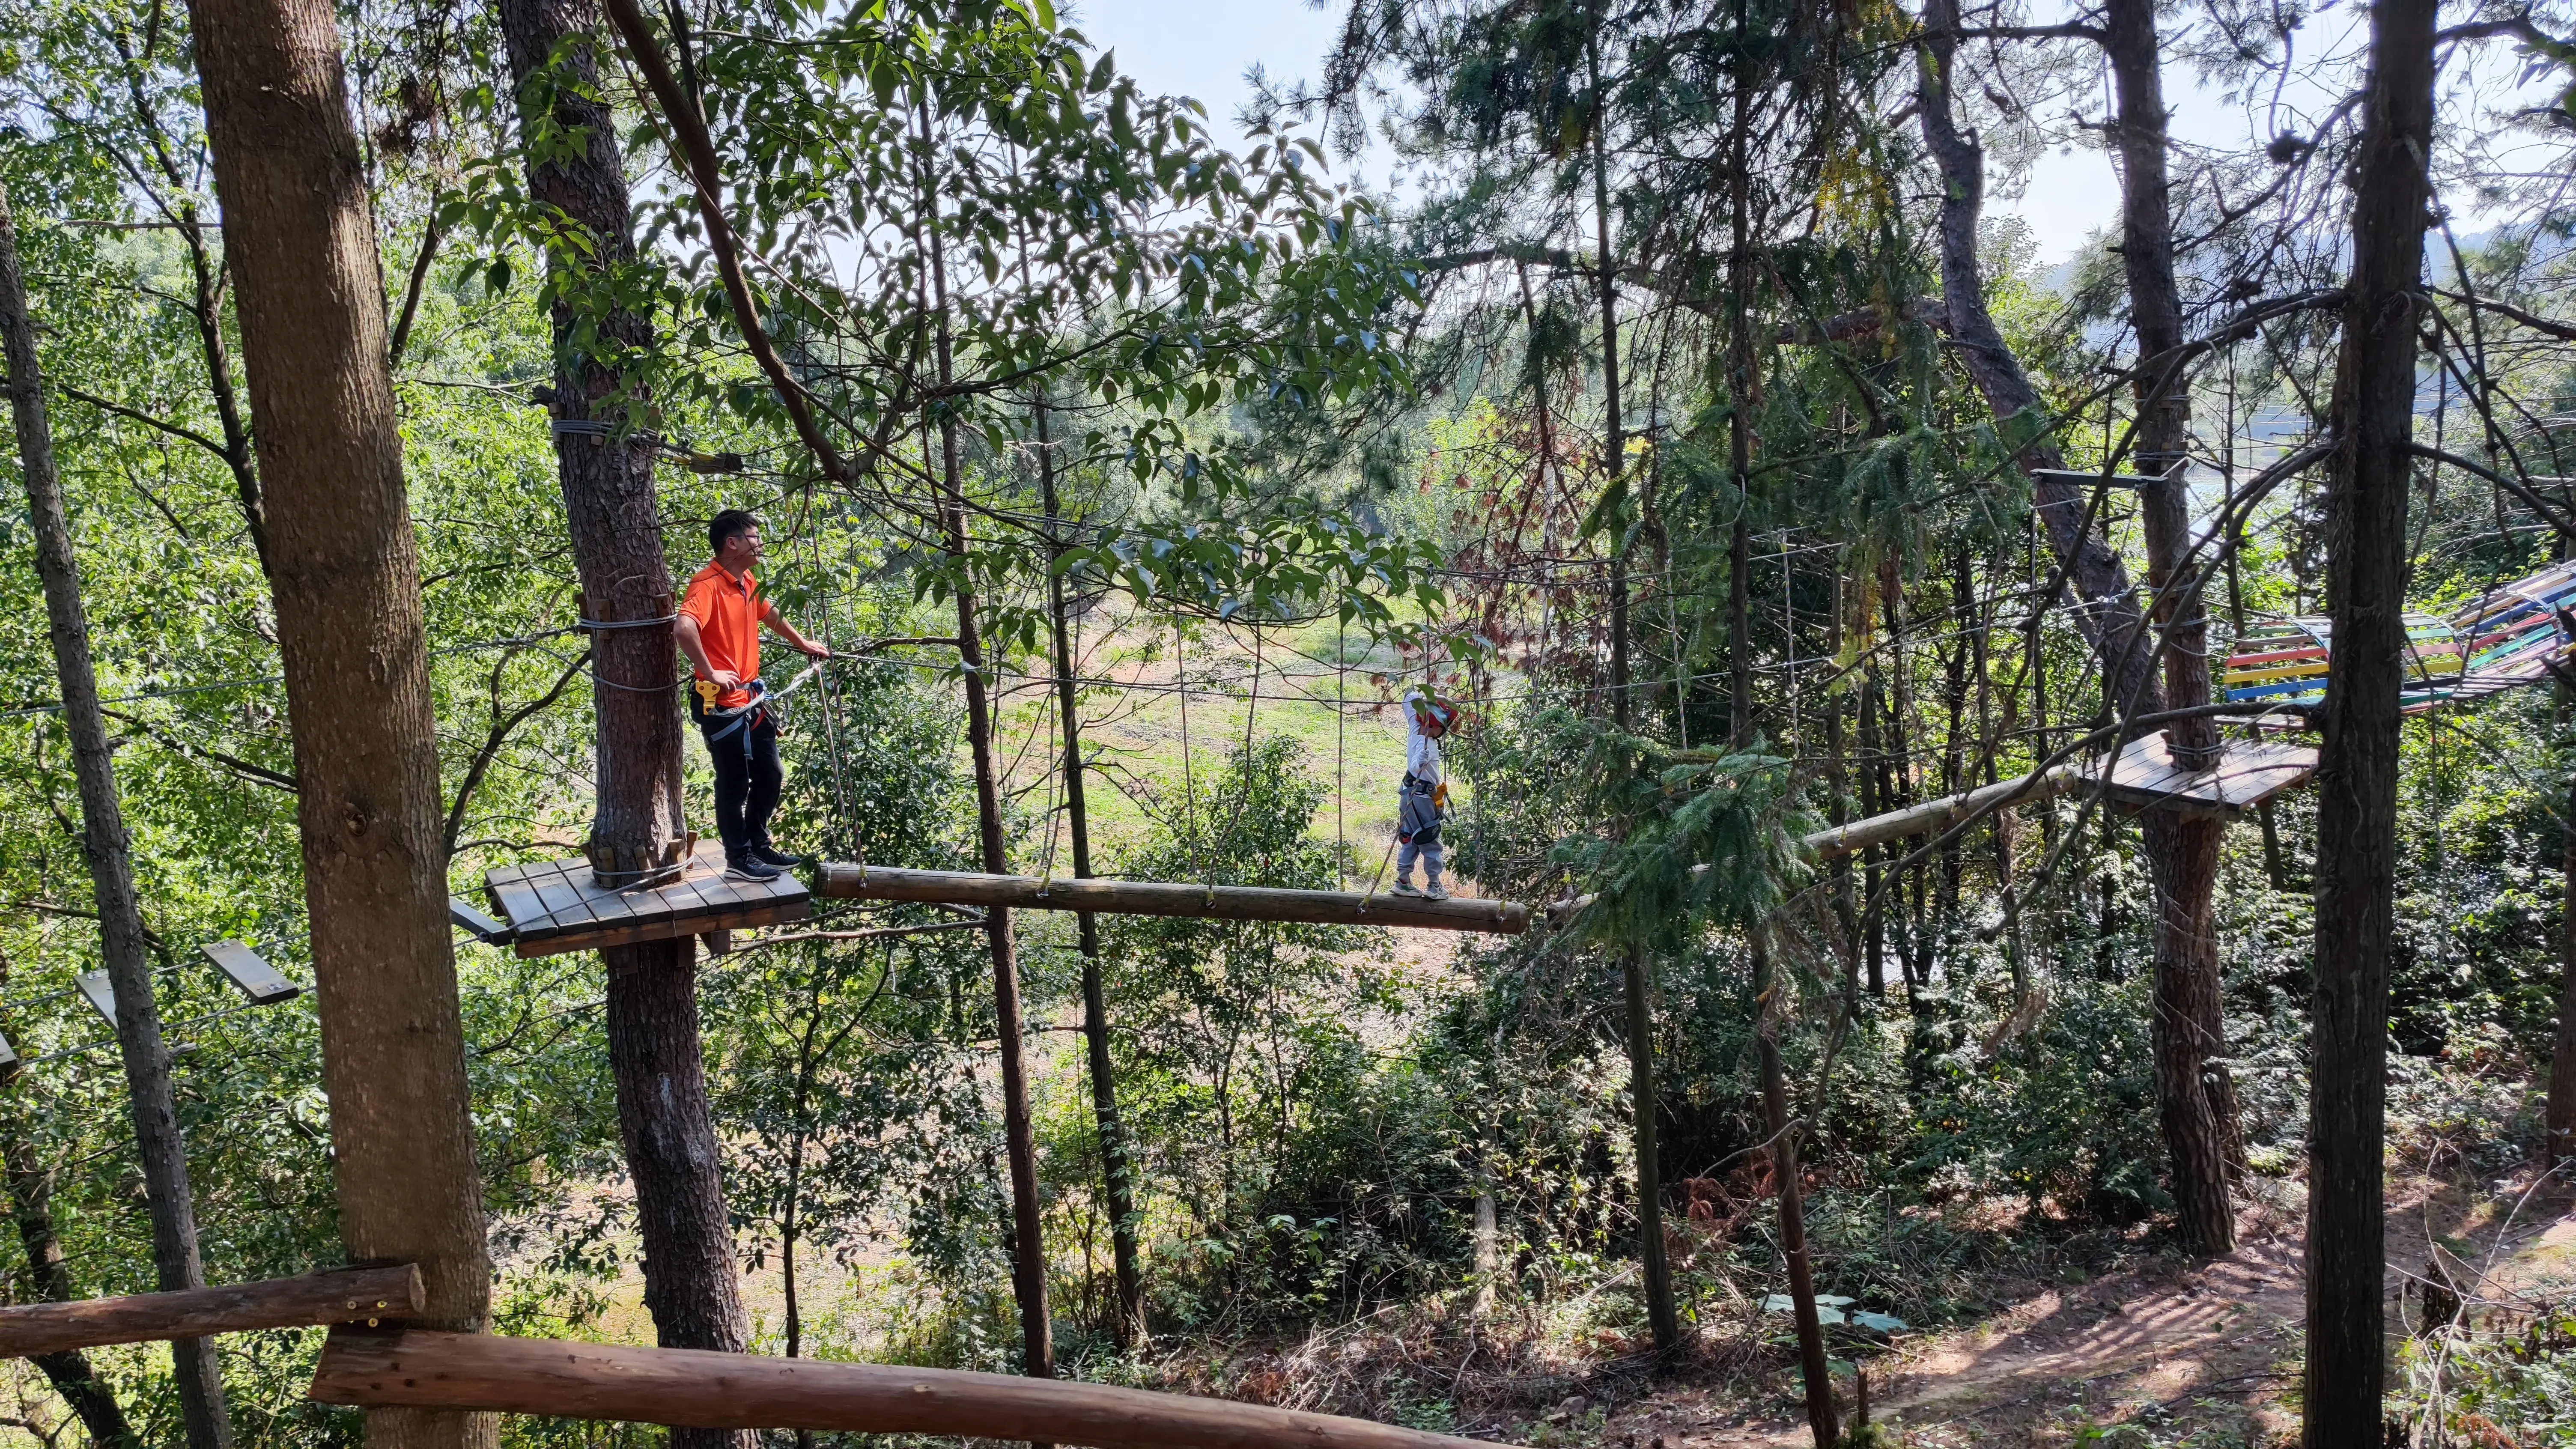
(2190, 1354)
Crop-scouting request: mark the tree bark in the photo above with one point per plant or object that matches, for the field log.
(675, 1158)
(1128, 1328)
(2559, 1119)
(2356, 869)
(1823, 1419)
(1662, 1316)
(31, 1202)
(123, 941)
(2196, 1102)
(2109, 614)
(345, 570)
(2195, 1112)
(606, 472)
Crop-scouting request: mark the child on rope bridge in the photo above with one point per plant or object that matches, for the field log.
(1425, 797)
(719, 629)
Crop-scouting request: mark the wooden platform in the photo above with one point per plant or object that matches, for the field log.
(2249, 772)
(554, 907)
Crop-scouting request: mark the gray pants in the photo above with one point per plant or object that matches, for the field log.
(1434, 860)
(1417, 825)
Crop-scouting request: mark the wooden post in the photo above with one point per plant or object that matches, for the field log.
(122, 938)
(346, 573)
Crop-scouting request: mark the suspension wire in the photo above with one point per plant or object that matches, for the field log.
(834, 737)
(1189, 782)
(1341, 720)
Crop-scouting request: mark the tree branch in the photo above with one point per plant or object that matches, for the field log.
(411, 290)
(491, 749)
(173, 429)
(255, 774)
(707, 180)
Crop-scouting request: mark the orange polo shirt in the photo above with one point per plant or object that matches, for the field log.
(728, 611)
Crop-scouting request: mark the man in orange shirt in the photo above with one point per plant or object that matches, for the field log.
(719, 629)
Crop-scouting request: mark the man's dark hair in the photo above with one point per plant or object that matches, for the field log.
(732, 523)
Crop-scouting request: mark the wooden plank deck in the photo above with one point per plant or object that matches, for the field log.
(554, 907)
(2248, 772)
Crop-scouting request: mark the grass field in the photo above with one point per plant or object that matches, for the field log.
(1136, 718)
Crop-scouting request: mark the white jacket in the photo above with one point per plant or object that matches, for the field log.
(1421, 751)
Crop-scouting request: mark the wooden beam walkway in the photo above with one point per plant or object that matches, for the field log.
(1165, 898)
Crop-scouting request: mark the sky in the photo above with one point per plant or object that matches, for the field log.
(1202, 48)
(1171, 46)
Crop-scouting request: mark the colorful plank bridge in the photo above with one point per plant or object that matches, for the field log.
(2503, 640)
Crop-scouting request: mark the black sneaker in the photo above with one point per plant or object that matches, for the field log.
(776, 859)
(749, 867)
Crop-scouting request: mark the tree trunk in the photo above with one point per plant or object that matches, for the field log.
(606, 472)
(347, 579)
(2188, 1029)
(2195, 1099)
(1019, 1137)
(2356, 869)
(2109, 617)
(122, 938)
(675, 1158)
(1128, 1327)
(1816, 1370)
(31, 1202)
(1663, 1317)
(1823, 1420)
(2559, 1120)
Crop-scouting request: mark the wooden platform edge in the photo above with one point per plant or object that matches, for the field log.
(338, 1295)
(667, 928)
(1169, 898)
(692, 1388)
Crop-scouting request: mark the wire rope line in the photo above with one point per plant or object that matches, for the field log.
(835, 737)
(1341, 721)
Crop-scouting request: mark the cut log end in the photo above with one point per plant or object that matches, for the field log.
(341, 1295)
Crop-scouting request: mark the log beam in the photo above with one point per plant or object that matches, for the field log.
(1943, 813)
(1913, 820)
(697, 1389)
(340, 1295)
(1163, 898)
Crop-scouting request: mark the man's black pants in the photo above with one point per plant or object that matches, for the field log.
(747, 776)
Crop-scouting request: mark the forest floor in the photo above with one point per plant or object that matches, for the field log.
(2157, 1352)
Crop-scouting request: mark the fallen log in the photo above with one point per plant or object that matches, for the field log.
(340, 1295)
(692, 1388)
(1165, 898)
